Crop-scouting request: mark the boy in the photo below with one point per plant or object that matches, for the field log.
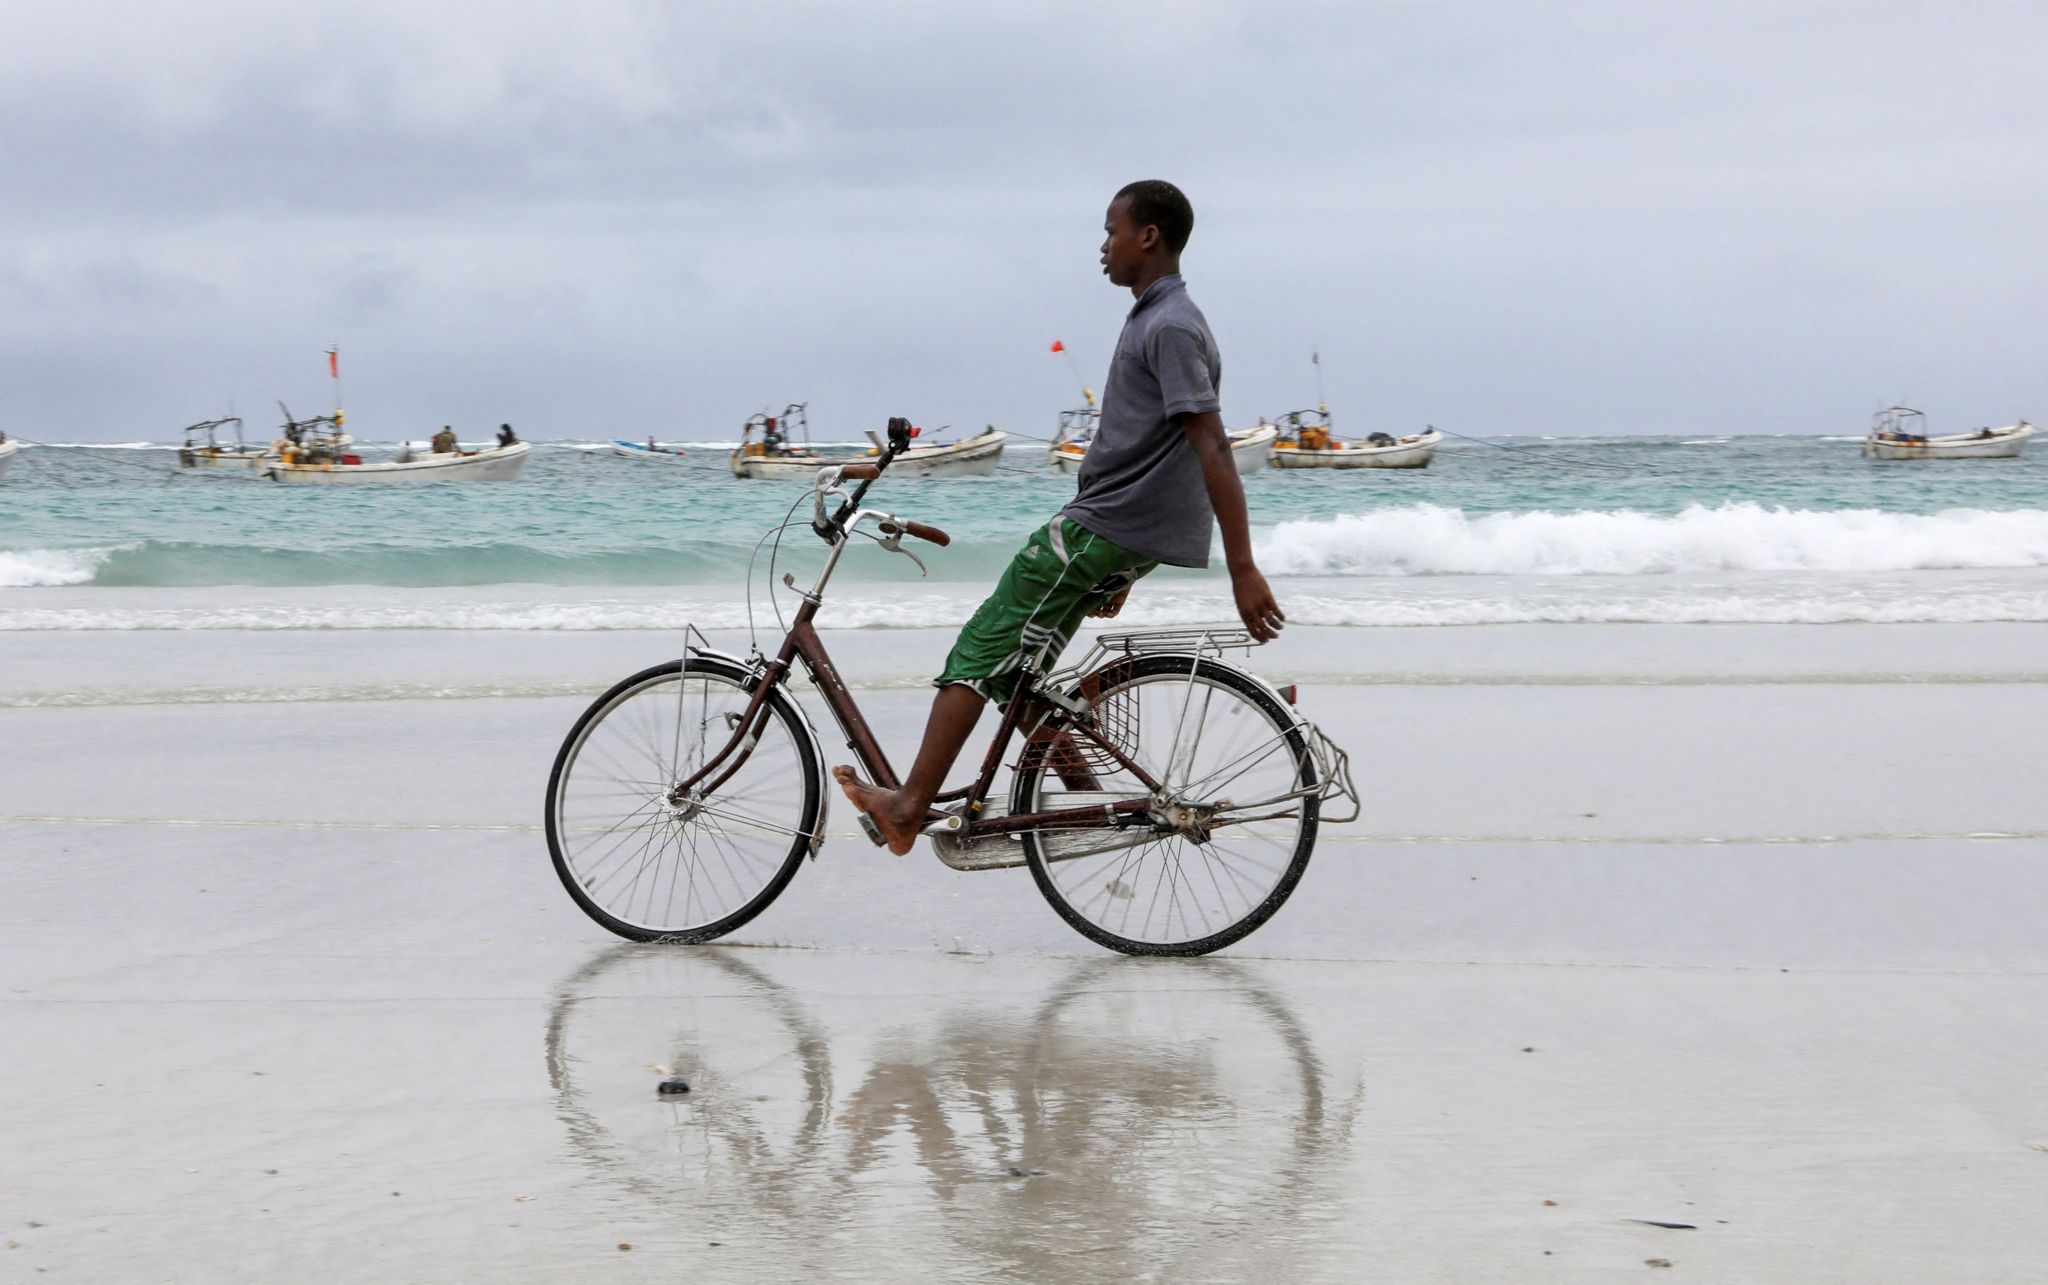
(1156, 475)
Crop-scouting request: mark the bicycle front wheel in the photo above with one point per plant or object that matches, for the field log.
(1232, 828)
(651, 866)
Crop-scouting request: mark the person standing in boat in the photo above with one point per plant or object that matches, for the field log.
(1156, 483)
(506, 437)
(444, 441)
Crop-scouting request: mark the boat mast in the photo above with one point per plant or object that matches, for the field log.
(334, 373)
(1087, 393)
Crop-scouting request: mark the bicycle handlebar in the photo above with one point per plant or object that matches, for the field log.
(929, 534)
(833, 529)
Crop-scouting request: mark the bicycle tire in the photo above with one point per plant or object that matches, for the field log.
(1105, 685)
(776, 873)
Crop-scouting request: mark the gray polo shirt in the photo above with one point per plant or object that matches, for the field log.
(1141, 483)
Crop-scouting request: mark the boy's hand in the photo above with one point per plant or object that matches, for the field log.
(1111, 605)
(1256, 605)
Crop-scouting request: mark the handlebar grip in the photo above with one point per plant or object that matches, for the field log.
(928, 533)
(860, 472)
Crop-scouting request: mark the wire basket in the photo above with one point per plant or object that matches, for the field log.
(1072, 754)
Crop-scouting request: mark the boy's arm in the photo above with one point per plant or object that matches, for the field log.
(1255, 602)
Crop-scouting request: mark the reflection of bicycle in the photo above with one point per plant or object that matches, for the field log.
(1166, 801)
(1127, 1094)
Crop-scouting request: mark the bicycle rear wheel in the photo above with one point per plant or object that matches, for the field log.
(653, 867)
(1226, 751)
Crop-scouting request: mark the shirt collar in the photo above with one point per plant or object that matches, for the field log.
(1158, 290)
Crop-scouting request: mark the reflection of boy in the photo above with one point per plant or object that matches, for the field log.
(1157, 474)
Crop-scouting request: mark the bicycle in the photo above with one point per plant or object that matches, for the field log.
(1166, 801)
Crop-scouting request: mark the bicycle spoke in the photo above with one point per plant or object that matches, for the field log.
(661, 869)
(1156, 890)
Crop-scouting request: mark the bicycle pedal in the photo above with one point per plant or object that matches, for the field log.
(874, 831)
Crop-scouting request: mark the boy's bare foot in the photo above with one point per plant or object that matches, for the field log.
(881, 807)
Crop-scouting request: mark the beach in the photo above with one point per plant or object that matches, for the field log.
(1729, 926)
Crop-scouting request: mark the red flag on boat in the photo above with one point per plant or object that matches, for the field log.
(1057, 346)
(334, 363)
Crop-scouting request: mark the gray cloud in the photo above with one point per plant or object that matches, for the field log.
(644, 217)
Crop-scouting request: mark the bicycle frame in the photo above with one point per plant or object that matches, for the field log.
(801, 644)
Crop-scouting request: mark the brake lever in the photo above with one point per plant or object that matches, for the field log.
(893, 542)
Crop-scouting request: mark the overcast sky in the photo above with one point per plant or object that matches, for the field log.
(617, 217)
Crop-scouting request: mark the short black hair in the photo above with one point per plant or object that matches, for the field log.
(1160, 204)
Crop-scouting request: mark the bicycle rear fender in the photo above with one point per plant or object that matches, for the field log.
(752, 669)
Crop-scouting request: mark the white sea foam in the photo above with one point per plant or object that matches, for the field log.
(1431, 540)
(1692, 600)
(46, 568)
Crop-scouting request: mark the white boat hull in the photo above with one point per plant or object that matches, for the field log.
(975, 457)
(633, 451)
(8, 450)
(782, 468)
(1250, 450)
(221, 459)
(497, 464)
(2003, 444)
(1413, 453)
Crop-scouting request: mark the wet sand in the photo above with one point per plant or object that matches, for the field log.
(1735, 927)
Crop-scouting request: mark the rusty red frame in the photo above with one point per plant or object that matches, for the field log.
(802, 643)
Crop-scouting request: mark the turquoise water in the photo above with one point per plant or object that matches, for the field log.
(581, 516)
(1708, 524)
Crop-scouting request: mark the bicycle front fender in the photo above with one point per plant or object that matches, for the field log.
(803, 717)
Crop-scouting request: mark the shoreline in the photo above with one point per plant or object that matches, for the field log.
(1691, 925)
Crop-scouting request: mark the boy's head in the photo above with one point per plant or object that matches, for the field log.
(1147, 225)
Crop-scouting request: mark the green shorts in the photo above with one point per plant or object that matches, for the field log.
(1062, 573)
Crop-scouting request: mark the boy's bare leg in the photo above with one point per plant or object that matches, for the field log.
(900, 814)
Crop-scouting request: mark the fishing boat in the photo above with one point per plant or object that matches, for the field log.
(767, 447)
(8, 450)
(1250, 448)
(1900, 433)
(202, 447)
(1306, 441)
(647, 450)
(971, 457)
(1077, 429)
(318, 451)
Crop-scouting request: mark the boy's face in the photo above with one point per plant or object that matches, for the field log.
(1125, 245)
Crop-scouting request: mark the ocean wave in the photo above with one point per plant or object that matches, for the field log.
(1430, 540)
(189, 564)
(49, 568)
(1409, 542)
(193, 564)
(1776, 604)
